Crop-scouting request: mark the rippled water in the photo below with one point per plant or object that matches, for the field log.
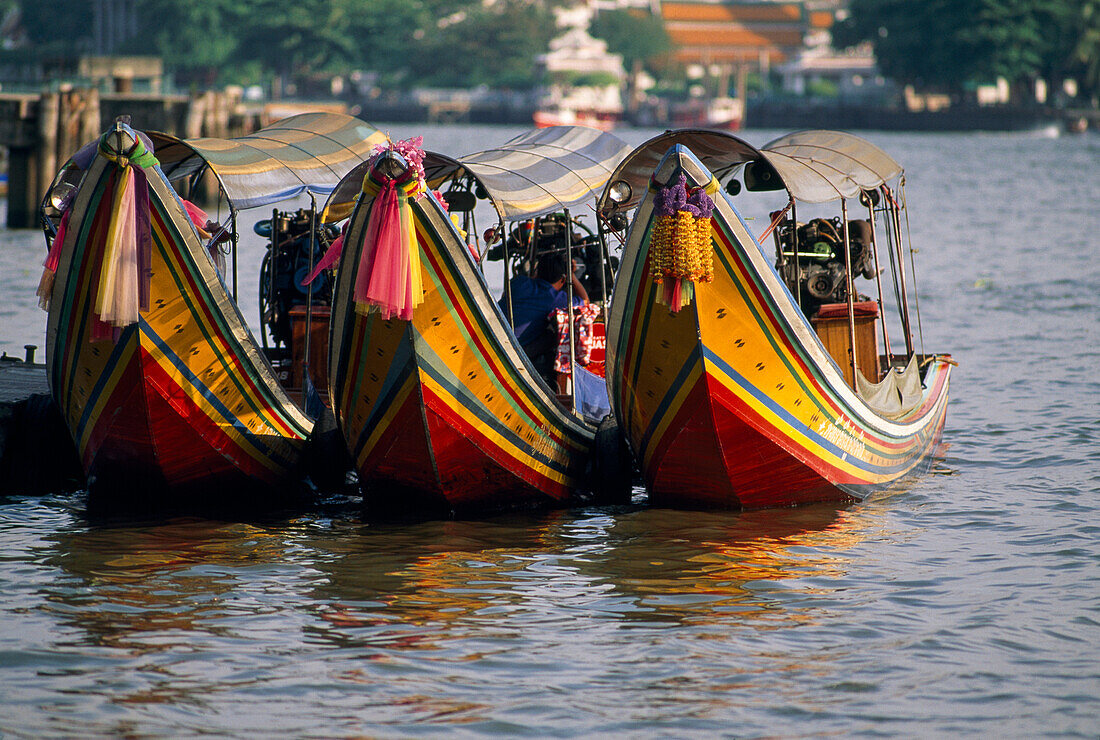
(965, 603)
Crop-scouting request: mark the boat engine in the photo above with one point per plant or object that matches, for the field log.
(819, 274)
(547, 236)
(285, 265)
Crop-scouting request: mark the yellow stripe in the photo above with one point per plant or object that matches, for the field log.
(123, 363)
(202, 356)
(537, 438)
(386, 421)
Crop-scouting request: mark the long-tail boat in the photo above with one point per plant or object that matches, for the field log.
(441, 410)
(167, 395)
(735, 381)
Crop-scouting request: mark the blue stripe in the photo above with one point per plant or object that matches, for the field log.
(206, 393)
(396, 374)
(128, 334)
(782, 413)
(693, 359)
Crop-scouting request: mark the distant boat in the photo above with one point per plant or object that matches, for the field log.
(722, 113)
(557, 115)
(735, 383)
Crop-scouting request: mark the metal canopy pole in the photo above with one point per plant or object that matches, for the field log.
(306, 380)
(912, 264)
(795, 245)
(569, 307)
(605, 260)
(236, 238)
(507, 280)
(878, 282)
(901, 278)
(850, 282)
(272, 266)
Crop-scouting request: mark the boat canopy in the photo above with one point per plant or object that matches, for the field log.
(535, 173)
(813, 166)
(305, 153)
(820, 166)
(721, 152)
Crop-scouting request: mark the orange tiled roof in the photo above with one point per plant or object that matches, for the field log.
(821, 19)
(770, 13)
(714, 35)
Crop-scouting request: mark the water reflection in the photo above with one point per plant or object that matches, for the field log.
(442, 581)
(177, 577)
(409, 623)
(626, 564)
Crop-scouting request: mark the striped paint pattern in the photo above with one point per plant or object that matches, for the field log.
(445, 403)
(184, 393)
(733, 401)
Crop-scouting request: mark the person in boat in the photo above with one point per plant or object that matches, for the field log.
(534, 299)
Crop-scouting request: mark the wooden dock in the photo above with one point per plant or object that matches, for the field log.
(42, 130)
(37, 454)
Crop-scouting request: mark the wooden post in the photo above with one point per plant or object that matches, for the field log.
(49, 111)
(90, 126)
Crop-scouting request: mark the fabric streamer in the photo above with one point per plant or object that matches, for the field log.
(388, 280)
(122, 288)
(117, 298)
(49, 267)
(584, 316)
(332, 255)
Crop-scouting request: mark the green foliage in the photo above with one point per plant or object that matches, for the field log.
(475, 43)
(637, 37)
(820, 88)
(1085, 59)
(57, 27)
(584, 79)
(949, 43)
(423, 42)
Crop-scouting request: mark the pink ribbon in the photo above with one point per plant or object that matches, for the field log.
(383, 278)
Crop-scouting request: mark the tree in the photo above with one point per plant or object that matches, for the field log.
(641, 39)
(57, 27)
(1021, 40)
(950, 43)
(1085, 59)
(637, 37)
(197, 41)
(473, 43)
(914, 42)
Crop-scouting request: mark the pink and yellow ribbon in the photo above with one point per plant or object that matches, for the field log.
(389, 280)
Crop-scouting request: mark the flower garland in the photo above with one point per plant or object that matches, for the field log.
(680, 251)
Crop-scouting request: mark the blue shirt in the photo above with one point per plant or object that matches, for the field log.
(532, 301)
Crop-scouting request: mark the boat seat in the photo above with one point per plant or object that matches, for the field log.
(840, 310)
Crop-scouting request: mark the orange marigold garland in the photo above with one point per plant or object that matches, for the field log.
(680, 252)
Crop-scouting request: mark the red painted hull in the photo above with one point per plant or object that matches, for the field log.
(719, 457)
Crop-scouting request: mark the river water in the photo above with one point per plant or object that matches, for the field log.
(966, 603)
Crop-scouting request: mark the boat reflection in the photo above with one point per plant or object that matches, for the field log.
(147, 588)
(452, 580)
(388, 589)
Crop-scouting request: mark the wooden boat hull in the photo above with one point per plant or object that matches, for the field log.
(443, 412)
(182, 400)
(733, 401)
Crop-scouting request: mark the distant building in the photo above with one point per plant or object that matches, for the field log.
(581, 75)
(717, 32)
(850, 74)
(132, 74)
